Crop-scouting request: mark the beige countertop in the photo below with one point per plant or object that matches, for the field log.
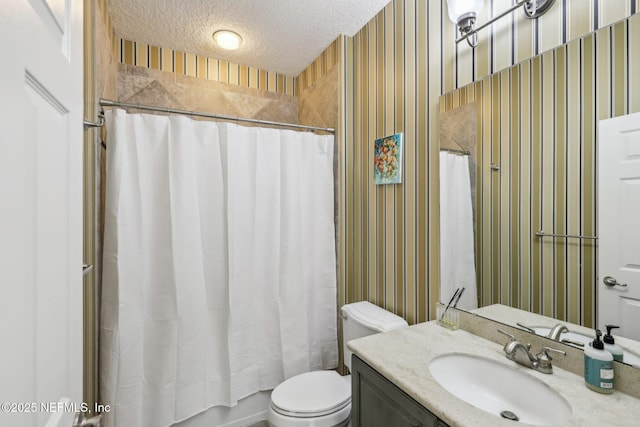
(403, 357)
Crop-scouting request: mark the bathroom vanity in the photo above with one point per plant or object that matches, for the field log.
(377, 402)
(392, 384)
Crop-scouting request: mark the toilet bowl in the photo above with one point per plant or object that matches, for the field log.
(323, 398)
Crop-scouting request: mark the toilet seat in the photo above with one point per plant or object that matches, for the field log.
(312, 394)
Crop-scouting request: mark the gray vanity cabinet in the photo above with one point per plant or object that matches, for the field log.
(376, 402)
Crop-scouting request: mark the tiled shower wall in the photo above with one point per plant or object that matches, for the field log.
(140, 85)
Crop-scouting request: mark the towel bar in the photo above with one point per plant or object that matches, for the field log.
(541, 233)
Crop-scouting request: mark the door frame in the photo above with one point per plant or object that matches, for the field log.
(91, 212)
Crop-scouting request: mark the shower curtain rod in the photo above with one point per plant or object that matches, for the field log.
(109, 103)
(452, 150)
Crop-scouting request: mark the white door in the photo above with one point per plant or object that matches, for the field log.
(619, 224)
(40, 212)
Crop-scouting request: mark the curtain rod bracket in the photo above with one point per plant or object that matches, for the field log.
(90, 125)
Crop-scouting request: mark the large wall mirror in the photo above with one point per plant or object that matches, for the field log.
(530, 133)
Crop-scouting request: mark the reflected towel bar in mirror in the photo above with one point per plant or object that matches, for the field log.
(541, 233)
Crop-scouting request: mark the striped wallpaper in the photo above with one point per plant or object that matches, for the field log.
(188, 64)
(538, 121)
(515, 38)
(174, 61)
(390, 233)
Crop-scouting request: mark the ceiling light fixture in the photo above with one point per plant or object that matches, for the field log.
(227, 39)
(463, 13)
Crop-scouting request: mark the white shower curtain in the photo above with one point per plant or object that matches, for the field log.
(457, 257)
(219, 272)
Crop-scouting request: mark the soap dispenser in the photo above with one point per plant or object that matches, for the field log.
(598, 366)
(610, 344)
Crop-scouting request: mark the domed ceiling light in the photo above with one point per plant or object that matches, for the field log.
(226, 39)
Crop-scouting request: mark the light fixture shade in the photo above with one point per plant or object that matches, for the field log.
(459, 8)
(227, 39)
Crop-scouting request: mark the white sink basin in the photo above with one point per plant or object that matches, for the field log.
(500, 389)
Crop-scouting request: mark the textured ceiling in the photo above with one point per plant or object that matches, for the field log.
(278, 35)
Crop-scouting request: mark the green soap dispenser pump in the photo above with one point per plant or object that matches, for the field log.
(598, 366)
(611, 346)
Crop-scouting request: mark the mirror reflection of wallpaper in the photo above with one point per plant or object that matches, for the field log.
(514, 38)
(538, 121)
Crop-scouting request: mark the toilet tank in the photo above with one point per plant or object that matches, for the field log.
(360, 319)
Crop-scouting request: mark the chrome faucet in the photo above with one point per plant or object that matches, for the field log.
(556, 331)
(521, 353)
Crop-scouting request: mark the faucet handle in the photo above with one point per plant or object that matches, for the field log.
(511, 337)
(509, 346)
(526, 328)
(544, 353)
(544, 359)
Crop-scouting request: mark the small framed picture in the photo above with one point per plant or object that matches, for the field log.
(387, 160)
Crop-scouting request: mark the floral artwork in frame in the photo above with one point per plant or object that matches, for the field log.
(387, 160)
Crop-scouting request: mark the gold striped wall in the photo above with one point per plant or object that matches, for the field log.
(390, 234)
(538, 121)
(324, 63)
(188, 64)
(514, 39)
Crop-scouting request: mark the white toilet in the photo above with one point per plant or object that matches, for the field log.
(323, 398)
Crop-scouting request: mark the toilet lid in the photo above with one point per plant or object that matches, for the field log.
(312, 394)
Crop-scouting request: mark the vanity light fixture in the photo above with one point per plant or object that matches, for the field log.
(227, 39)
(463, 13)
